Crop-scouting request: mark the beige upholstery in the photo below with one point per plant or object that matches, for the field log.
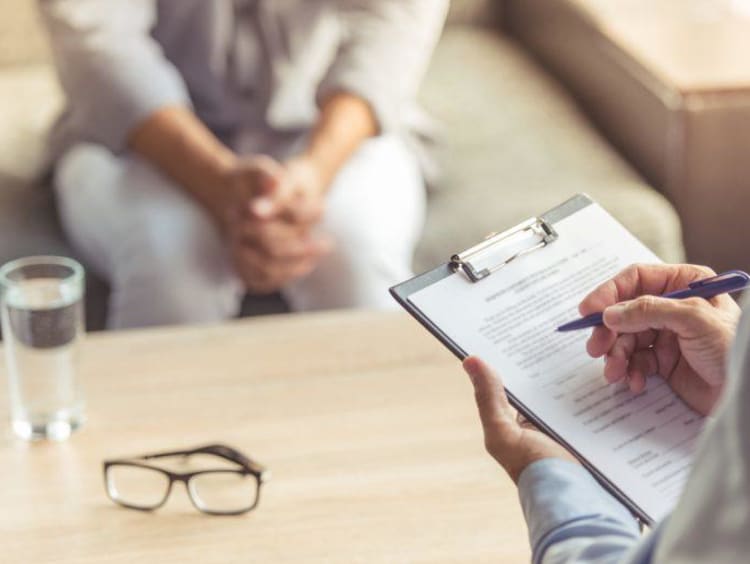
(669, 84)
(21, 39)
(516, 145)
(513, 144)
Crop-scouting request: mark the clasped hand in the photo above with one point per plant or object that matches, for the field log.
(271, 214)
(686, 342)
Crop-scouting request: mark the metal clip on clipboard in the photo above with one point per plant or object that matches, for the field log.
(537, 226)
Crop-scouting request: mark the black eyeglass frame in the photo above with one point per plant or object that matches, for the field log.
(247, 467)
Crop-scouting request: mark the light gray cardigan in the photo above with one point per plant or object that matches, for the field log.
(238, 63)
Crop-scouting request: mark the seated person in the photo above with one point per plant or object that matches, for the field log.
(213, 148)
(687, 342)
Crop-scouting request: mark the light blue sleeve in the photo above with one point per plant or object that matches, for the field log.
(385, 50)
(113, 72)
(571, 518)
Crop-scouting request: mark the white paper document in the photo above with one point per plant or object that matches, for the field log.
(641, 443)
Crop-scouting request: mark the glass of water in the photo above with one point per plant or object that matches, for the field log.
(41, 304)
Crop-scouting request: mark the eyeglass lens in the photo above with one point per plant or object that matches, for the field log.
(223, 492)
(136, 486)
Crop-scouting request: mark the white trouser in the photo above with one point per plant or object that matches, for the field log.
(167, 264)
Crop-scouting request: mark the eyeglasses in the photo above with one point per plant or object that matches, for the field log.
(136, 484)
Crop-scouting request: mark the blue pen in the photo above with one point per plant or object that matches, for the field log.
(724, 283)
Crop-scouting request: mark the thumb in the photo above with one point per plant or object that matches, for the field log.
(684, 317)
(489, 391)
(269, 190)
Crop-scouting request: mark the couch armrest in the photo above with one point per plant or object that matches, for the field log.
(22, 39)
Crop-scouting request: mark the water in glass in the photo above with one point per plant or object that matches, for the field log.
(42, 321)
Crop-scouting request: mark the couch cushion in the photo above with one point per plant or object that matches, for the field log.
(30, 99)
(28, 224)
(22, 40)
(515, 145)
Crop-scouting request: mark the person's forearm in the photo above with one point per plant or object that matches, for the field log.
(181, 146)
(345, 122)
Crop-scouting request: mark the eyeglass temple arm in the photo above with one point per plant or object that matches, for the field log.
(218, 449)
(230, 453)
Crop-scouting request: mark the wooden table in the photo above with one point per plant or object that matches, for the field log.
(367, 424)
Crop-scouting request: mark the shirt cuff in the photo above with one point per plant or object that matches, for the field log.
(555, 493)
(365, 87)
(132, 93)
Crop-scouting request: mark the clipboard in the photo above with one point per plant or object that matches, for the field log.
(541, 232)
(542, 225)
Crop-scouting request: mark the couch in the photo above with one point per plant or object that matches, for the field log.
(513, 144)
(668, 83)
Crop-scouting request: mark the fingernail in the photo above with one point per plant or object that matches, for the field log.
(614, 314)
(470, 368)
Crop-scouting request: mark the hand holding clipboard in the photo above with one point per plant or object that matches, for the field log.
(502, 299)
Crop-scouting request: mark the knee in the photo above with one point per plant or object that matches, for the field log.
(174, 251)
(84, 167)
(363, 232)
(149, 294)
(176, 260)
(377, 200)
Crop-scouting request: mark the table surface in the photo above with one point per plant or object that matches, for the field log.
(697, 45)
(367, 424)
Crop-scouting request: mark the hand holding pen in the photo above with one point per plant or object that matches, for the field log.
(644, 333)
